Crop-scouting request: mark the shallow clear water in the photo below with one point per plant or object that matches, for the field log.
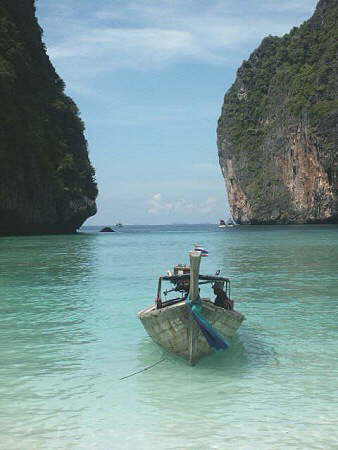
(69, 332)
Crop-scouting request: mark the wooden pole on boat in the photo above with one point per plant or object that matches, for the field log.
(195, 261)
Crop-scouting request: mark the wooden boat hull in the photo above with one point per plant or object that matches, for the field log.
(174, 329)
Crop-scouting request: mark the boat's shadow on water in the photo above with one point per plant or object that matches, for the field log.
(247, 350)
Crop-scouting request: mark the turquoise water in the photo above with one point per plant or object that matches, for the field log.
(69, 332)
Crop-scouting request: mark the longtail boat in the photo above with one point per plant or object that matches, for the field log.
(190, 326)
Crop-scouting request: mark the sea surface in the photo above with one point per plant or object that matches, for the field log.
(69, 333)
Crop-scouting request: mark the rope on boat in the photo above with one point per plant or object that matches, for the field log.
(143, 370)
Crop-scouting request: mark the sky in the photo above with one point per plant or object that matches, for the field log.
(149, 77)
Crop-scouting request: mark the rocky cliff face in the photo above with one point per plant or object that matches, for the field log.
(47, 182)
(277, 133)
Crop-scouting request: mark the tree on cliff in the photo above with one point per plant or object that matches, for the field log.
(47, 183)
(277, 134)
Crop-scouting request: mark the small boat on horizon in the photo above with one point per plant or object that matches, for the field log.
(119, 224)
(229, 224)
(187, 325)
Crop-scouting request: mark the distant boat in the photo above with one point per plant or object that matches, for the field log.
(119, 224)
(231, 223)
(223, 224)
(187, 325)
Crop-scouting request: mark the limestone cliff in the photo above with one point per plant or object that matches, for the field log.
(277, 133)
(47, 182)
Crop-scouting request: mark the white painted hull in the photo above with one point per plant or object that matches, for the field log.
(176, 331)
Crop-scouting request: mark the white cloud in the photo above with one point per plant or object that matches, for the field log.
(208, 205)
(181, 206)
(133, 48)
(157, 205)
(151, 35)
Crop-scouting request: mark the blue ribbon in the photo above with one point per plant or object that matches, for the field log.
(215, 339)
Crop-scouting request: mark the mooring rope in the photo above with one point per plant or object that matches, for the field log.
(143, 370)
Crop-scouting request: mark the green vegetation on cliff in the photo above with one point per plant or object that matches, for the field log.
(287, 82)
(47, 182)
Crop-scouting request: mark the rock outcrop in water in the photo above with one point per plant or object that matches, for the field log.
(277, 134)
(47, 182)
